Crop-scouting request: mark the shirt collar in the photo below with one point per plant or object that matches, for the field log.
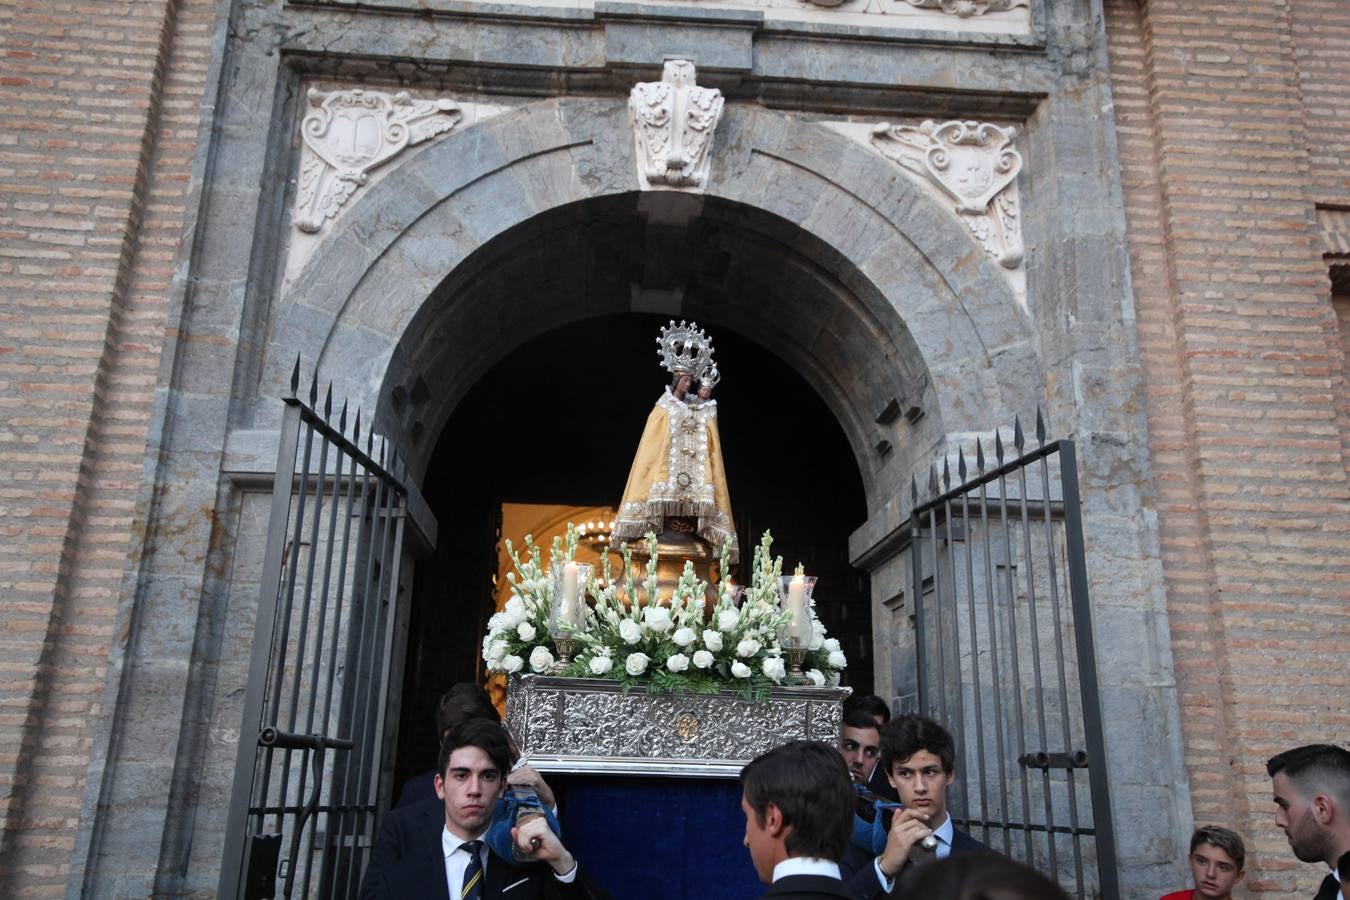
(944, 831)
(805, 865)
(450, 843)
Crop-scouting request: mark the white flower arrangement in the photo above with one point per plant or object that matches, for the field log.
(628, 634)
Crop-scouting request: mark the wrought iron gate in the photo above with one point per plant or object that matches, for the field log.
(307, 774)
(1005, 657)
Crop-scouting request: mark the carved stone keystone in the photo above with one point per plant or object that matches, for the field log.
(349, 133)
(973, 163)
(673, 124)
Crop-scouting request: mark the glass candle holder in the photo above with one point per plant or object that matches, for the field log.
(568, 615)
(795, 598)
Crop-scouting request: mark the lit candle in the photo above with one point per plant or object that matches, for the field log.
(800, 622)
(569, 611)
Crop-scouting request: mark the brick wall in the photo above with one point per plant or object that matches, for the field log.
(99, 110)
(1243, 363)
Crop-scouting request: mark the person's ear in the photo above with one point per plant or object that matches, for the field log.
(439, 782)
(773, 820)
(1323, 809)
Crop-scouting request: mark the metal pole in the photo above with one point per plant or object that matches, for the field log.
(1012, 637)
(991, 610)
(234, 856)
(1087, 675)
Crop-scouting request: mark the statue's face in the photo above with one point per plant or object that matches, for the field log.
(704, 392)
(682, 384)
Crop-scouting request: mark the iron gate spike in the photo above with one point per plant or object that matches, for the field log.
(1018, 440)
(979, 456)
(314, 389)
(946, 475)
(932, 480)
(998, 447)
(1040, 427)
(961, 463)
(295, 376)
(328, 403)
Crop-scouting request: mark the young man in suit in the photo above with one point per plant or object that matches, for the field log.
(798, 805)
(1312, 799)
(435, 848)
(919, 759)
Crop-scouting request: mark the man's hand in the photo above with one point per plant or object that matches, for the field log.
(528, 776)
(908, 827)
(536, 841)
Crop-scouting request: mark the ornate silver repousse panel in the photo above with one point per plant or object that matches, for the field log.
(579, 725)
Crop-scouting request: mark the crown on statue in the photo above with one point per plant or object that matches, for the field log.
(710, 377)
(685, 348)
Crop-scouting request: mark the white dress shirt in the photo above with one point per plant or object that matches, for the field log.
(456, 861)
(806, 865)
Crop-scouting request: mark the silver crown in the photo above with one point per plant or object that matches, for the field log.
(710, 377)
(685, 348)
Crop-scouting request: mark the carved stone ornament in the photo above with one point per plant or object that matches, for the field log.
(967, 8)
(673, 124)
(973, 163)
(349, 133)
(594, 725)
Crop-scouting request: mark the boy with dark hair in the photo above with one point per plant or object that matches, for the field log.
(859, 744)
(1217, 858)
(871, 704)
(1312, 799)
(436, 848)
(918, 758)
(798, 806)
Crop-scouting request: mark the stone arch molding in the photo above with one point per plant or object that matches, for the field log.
(924, 286)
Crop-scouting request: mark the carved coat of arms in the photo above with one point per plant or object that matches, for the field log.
(349, 133)
(973, 163)
(673, 124)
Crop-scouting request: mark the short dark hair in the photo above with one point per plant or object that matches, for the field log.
(857, 718)
(464, 700)
(1316, 768)
(870, 704)
(479, 732)
(906, 735)
(981, 876)
(811, 787)
(1227, 841)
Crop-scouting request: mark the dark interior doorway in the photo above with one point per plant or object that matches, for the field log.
(558, 421)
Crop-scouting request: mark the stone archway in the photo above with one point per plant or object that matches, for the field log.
(902, 301)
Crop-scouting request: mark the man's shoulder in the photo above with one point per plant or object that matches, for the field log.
(962, 842)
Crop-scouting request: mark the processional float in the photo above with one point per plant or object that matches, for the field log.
(656, 681)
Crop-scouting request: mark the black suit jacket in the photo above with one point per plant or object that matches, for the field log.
(407, 863)
(808, 887)
(860, 875)
(1329, 889)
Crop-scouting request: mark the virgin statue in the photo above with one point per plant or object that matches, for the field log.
(677, 483)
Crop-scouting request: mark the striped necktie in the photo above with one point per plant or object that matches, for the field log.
(473, 872)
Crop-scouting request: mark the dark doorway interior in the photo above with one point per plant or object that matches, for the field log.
(557, 421)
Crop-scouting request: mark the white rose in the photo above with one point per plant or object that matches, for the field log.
(496, 651)
(684, 636)
(832, 679)
(817, 636)
(657, 618)
(677, 663)
(601, 665)
(740, 669)
(540, 659)
(728, 619)
(703, 659)
(817, 677)
(837, 659)
(511, 663)
(630, 631)
(747, 648)
(774, 668)
(526, 631)
(636, 663)
(831, 644)
(498, 622)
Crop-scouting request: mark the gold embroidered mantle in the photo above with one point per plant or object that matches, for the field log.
(678, 471)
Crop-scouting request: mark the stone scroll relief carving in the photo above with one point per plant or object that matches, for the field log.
(348, 133)
(674, 121)
(973, 163)
(967, 8)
